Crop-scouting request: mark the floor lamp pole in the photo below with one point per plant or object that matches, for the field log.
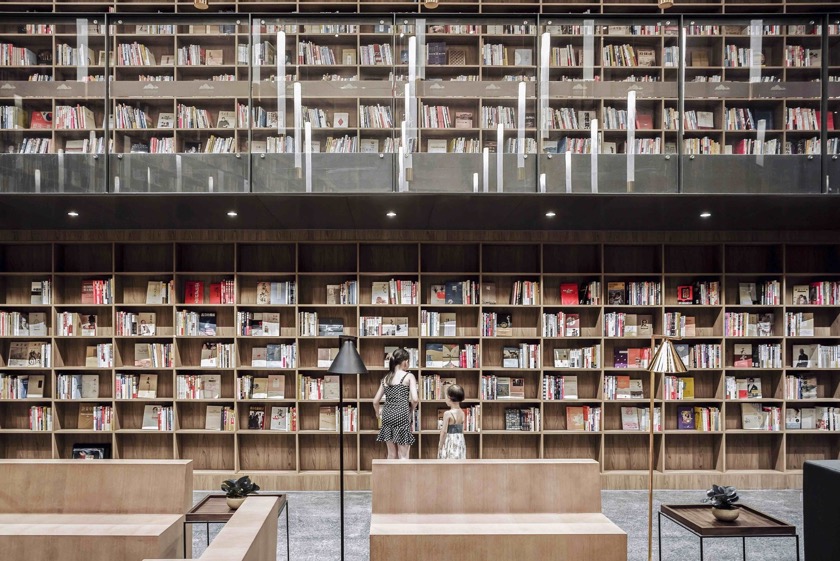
(340, 417)
(651, 424)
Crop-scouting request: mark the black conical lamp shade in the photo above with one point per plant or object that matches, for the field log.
(348, 360)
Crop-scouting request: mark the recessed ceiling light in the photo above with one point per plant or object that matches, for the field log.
(232, 213)
(551, 214)
(73, 214)
(705, 214)
(390, 214)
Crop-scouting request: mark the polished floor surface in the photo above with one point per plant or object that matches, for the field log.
(314, 526)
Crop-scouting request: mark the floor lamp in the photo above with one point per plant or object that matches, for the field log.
(346, 363)
(665, 360)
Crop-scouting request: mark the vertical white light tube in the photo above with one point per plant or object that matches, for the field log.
(255, 49)
(589, 49)
(631, 141)
(545, 60)
(485, 163)
(409, 129)
(756, 26)
(401, 163)
(82, 49)
(568, 171)
(542, 183)
(298, 121)
(308, 139)
(475, 183)
(520, 128)
(595, 148)
(281, 81)
(500, 153)
(411, 92)
(759, 140)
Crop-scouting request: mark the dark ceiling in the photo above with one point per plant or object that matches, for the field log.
(417, 211)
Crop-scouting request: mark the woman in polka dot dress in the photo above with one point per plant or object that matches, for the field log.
(399, 387)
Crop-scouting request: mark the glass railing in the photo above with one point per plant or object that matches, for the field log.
(235, 103)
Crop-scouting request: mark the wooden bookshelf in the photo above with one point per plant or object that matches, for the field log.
(176, 84)
(456, 6)
(308, 457)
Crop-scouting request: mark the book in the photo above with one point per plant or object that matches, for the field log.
(804, 356)
(436, 146)
(615, 293)
(646, 57)
(330, 327)
(572, 327)
(348, 57)
(280, 420)
(686, 418)
(629, 418)
(88, 325)
(276, 386)
(226, 120)
(85, 417)
(214, 57)
(369, 146)
(742, 355)
(259, 357)
(213, 417)
(259, 389)
(330, 388)
(37, 324)
(151, 417)
(326, 356)
(747, 294)
(35, 387)
(209, 355)
(341, 120)
(801, 295)
(87, 387)
(327, 419)
(575, 418)
(510, 357)
(753, 417)
(569, 294)
(211, 386)
(147, 386)
(256, 417)
(517, 388)
(437, 294)
(165, 121)
(380, 292)
(207, 324)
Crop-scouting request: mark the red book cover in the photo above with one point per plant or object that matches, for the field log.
(41, 120)
(216, 293)
(569, 294)
(87, 292)
(644, 120)
(194, 292)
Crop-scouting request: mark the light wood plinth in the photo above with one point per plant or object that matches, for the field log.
(538, 509)
(489, 536)
(89, 537)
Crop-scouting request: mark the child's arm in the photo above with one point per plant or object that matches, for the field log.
(443, 428)
(412, 388)
(377, 400)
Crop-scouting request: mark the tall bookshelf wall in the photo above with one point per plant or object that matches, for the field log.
(482, 6)
(308, 458)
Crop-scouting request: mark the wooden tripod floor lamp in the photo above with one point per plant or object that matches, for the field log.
(665, 360)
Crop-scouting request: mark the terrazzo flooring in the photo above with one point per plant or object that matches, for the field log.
(315, 535)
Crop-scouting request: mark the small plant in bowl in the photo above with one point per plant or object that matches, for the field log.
(723, 501)
(237, 489)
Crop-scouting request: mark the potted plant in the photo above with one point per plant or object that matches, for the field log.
(722, 500)
(237, 489)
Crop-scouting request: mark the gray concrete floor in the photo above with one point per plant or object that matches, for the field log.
(314, 526)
